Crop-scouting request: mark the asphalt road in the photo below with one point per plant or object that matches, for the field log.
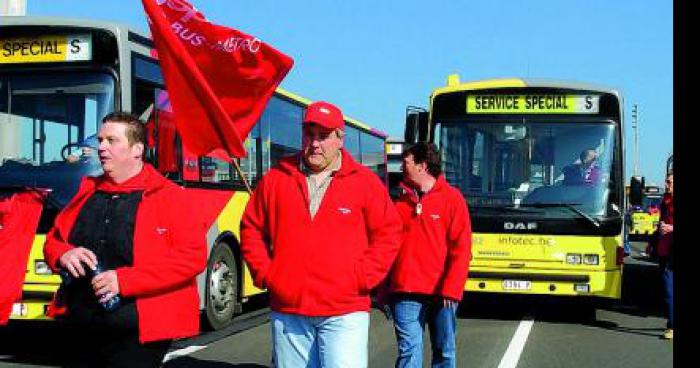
(493, 331)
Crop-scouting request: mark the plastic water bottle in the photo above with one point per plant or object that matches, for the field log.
(66, 277)
(112, 303)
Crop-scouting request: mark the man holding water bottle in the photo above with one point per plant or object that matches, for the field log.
(128, 256)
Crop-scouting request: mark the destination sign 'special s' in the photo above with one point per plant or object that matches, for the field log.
(533, 104)
(46, 49)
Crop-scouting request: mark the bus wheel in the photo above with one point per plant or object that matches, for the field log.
(222, 287)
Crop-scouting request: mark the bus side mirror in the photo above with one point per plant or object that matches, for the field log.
(636, 190)
(416, 125)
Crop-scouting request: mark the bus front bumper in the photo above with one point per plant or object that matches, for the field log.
(605, 284)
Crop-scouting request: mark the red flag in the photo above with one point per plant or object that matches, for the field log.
(219, 79)
(19, 217)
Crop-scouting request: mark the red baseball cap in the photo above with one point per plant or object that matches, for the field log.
(324, 114)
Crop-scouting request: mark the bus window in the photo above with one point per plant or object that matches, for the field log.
(463, 158)
(165, 135)
(281, 131)
(152, 105)
(147, 69)
(214, 170)
(44, 117)
(250, 163)
(504, 164)
(351, 142)
(373, 152)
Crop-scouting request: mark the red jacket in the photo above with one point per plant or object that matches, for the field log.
(436, 249)
(325, 266)
(169, 252)
(665, 242)
(19, 216)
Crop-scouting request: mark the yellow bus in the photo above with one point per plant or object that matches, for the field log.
(59, 77)
(540, 164)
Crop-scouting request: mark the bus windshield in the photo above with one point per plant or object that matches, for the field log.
(548, 169)
(44, 121)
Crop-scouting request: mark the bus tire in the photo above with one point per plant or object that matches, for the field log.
(222, 287)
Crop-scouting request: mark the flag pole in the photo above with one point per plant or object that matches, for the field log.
(240, 173)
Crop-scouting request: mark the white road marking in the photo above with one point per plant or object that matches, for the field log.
(182, 352)
(515, 348)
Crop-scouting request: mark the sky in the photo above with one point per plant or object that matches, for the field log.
(373, 58)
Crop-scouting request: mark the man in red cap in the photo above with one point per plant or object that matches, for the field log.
(319, 232)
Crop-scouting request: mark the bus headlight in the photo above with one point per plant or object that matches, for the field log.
(590, 259)
(42, 268)
(573, 258)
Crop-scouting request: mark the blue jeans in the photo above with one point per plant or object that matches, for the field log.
(667, 271)
(410, 316)
(329, 342)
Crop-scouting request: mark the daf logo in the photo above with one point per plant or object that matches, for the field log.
(520, 225)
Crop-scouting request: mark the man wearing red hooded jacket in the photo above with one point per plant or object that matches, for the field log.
(130, 221)
(427, 280)
(319, 233)
(665, 251)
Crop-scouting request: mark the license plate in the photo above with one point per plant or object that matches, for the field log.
(516, 285)
(19, 309)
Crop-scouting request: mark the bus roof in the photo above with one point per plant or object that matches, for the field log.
(66, 22)
(121, 30)
(141, 43)
(454, 85)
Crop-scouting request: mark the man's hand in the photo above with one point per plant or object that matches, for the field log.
(72, 158)
(75, 259)
(84, 153)
(665, 228)
(105, 285)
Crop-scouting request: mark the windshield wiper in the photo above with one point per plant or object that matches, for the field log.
(570, 206)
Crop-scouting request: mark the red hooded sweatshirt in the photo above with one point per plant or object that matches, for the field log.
(436, 249)
(169, 252)
(666, 216)
(327, 265)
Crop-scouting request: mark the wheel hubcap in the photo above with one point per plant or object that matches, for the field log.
(221, 287)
